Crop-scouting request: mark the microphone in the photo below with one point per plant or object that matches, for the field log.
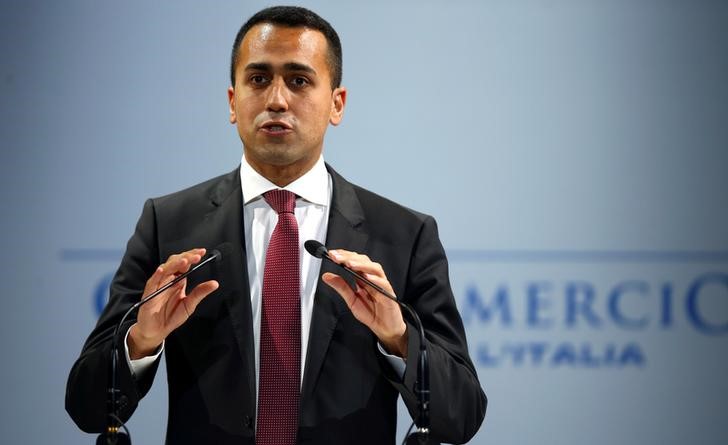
(113, 435)
(318, 250)
(422, 386)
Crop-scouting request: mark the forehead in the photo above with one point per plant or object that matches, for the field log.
(267, 43)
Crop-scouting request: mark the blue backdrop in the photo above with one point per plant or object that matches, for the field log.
(573, 152)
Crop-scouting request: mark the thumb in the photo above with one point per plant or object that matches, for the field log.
(340, 286)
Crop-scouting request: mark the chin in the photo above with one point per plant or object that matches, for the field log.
(280, 156)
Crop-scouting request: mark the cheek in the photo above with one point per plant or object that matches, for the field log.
(317, 113)
(244, 111)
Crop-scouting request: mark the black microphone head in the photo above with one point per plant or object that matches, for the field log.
(221, 251)
(315, 248)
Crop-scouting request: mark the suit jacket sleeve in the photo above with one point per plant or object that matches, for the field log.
(86, 390)
(457, 402)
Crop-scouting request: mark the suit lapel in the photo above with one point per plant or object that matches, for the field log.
(346, 230)
(226, 220)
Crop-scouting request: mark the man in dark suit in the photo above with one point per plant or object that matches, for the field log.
(357, 352)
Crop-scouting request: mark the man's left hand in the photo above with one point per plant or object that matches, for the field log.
(379, 313)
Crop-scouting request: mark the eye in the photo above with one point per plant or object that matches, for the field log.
(299, 82)
(258, 79)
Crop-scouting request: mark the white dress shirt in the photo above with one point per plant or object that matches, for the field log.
(312, 214)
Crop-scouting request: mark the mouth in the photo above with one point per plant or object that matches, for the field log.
(276, 128)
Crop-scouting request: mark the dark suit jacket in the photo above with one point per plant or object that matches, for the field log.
(349, 392)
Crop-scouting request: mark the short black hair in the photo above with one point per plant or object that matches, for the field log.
(294, 17)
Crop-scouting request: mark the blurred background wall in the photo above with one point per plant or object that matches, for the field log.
(588, 137)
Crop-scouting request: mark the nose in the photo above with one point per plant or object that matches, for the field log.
(277, 100)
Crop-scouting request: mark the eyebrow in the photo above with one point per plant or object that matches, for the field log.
(290, 66)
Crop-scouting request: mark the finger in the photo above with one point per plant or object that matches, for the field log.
(195, 255)
(159, 278)
(348, 256)
(340, 286)
(359, 305)
(172, 296)
(196, 251)
(366, 266)
(380, 281)
(342, 256)
(178, 264)
(184, 262)
(198, 294)
(189, 255)
(179, 309)
(356, 261)
(365, 298)
(155, 281)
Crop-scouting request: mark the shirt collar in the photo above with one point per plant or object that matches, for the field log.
(312, 186)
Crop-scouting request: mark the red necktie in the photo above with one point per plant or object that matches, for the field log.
(280, 329)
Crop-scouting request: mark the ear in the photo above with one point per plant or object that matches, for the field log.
(338, 102)
(231, 101)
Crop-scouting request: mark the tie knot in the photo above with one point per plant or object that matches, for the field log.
(282, 201)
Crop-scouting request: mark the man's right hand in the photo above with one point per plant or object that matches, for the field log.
(168, 311)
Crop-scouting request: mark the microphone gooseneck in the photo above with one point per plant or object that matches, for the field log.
(422, 386)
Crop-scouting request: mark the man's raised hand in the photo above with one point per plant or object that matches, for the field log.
(165, 313)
